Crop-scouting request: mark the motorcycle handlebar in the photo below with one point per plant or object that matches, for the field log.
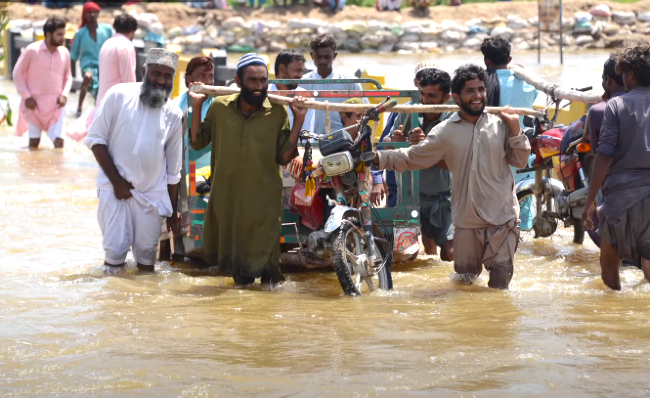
(387, 106)
(588, 88)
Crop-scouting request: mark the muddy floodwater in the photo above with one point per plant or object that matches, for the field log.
(70, 329)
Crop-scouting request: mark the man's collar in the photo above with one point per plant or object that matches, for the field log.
(456, 118)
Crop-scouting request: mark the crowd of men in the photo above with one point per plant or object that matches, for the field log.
(467, 158)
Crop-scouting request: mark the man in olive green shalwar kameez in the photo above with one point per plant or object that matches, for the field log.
(250, 139)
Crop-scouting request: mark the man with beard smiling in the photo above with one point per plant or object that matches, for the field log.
(478, 149)
(250, 139)
(136, 137)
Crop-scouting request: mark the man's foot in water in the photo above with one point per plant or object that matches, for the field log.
(272, 276)
(145, 268)
(58, 143)
(243, 280)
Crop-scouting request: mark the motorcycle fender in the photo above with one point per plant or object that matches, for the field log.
(529, 184)
(336, 217)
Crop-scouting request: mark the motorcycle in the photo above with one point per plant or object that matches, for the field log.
(565, 150)
(332, 200)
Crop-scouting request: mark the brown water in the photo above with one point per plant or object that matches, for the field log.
(69, 329)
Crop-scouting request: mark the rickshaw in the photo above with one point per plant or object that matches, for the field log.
(398, 227)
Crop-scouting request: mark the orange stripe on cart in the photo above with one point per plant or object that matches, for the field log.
(192, 179)
(197, 211)
(282, 240)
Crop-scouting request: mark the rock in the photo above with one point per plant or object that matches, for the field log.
(584, 39)
(309, 23)
(412, 27)
(582, 17)
(452, 36)
(474, 22)
(191, 30)
(375, 26)
(410, 38)
(407, 46)
(174, 33)
(352, 45)
(624, 17)
(601, 10)
(385, 47)
(276, 47)
(611, 29)
(140, 34)
(156, 28)
(233, 22)
(356, 26)
(523, 46)
(516, 23)
(504, 32)
(429, 34)
(450, 25)
(428, 46)
(145, 19)
(214, 42)
(643, 16)
(473, 43)
(596, 44)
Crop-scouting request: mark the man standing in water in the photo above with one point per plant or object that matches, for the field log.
(87, 43)
(136, 137)
(251, 139)
(434, 86)
(622, 169)
(117, 56)
(477, 148)
(43, 80)
(323, 53)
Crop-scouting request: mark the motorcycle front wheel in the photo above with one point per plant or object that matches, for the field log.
(527, 213)
(350, 254)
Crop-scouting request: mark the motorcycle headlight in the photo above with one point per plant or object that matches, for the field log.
(338, 163)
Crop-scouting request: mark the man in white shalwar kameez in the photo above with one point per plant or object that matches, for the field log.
(136, 137)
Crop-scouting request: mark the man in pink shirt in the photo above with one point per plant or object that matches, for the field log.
(117, 56)
(43, 80)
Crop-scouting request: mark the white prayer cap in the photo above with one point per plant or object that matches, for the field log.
(160, 56)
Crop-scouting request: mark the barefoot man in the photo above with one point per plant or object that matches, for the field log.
(43, 80)
(478, 149)
(250, 139)
(136, 137)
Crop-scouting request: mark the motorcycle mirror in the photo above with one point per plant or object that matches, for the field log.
(529, 121)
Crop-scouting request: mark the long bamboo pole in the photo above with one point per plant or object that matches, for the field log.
(217, 91)
(554, 90)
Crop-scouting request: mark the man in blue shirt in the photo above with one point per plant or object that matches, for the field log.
(504, 88)
(87, 43)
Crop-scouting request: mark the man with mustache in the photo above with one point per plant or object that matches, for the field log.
(250, 139)
(136, 137)
(43, 80)
(478, 149)
(434, 86)
(290, 64)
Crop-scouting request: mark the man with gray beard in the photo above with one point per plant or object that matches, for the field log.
(136, 137)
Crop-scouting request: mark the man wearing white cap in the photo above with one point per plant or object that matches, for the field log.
(250, 139)
(136, 137)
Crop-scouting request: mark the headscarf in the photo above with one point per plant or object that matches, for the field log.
(88, 7)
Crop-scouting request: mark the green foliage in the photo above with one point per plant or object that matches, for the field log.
(5, 110)
(4, 20)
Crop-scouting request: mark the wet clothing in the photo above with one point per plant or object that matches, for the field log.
(435, 189)
(494, 247)
(319, 116)
(55, 131)
(630, 233)
(478, 157)
(595, 118)
(116, 64)
(43, 76)
(86, 50)
(129, 223)
(244, 215)
(625, 137)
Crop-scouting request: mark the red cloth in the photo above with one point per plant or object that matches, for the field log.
(88, 7)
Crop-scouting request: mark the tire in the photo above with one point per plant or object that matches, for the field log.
(350, 281)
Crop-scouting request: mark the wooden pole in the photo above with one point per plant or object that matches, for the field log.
(217, 91)
(555, 90)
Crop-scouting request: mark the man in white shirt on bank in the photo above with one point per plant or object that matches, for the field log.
(136, 137)
(323, 53)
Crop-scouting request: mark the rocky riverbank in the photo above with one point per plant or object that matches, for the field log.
(449, 29)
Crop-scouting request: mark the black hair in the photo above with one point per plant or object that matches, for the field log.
(434, 76)
(325, 40)
(636, 60)
(492, 88)
(496, 49)
(125, 23)
(285, 57)
(464, 74)
(52, 25)
(609, 70)
(195, 63)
